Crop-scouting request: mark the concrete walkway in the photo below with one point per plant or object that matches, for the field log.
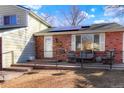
(8, 75)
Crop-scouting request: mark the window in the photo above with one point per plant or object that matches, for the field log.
(78, 42)
(10, 20)
(87, 42)
(96, 42)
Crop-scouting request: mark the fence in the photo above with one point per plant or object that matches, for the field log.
(62, 55)
(117, 58)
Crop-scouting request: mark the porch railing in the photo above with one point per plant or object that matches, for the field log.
(60, 55)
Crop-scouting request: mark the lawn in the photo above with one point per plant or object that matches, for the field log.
(67, 79)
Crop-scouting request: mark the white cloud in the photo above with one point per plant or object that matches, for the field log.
(34, 7)
(83, 13)
(43, 14)
(99, 21)
(111, 20)
(93, 9)
(116, 20)
(113, 10)
(91, 16)
(36, 12)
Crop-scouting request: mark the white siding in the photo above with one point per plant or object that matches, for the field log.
(13, 10)
(21, 42)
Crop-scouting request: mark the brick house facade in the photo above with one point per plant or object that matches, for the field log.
(65, 43)
(112, 40)
(115, 40)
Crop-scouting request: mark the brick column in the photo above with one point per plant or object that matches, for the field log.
(39, 47)
(115, 40)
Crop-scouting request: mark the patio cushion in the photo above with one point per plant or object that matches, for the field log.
(71, 54)
(90, 55)
(82, 54)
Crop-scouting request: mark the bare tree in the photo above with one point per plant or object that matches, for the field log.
(74, 16)
(49, 18)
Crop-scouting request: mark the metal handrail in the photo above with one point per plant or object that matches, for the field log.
(97, 53)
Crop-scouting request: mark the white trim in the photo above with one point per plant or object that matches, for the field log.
(13, 30)
(81, 42)
(123, 48)
(2, 51)
(73, 42)
(102, 41)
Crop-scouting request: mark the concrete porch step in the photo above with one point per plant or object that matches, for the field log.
(18, 69)
(43, 66)
(104, 67)
(101, 65)
(45, 60)
(23, 65)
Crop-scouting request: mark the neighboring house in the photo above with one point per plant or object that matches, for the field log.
(97, 37)
(17, 26)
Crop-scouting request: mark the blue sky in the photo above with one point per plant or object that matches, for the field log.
(95, 13)
(56, 11)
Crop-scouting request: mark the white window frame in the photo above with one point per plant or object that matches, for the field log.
(73, 42)
(9, 20)
(101, 42)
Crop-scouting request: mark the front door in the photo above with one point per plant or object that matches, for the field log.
(48, 47)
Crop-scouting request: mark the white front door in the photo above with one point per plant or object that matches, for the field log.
(48, 47)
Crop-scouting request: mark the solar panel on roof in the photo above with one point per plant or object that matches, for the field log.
(65, 29)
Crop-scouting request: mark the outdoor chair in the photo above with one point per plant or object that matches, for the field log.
(87, 56)
(71, 55)
(108, 58)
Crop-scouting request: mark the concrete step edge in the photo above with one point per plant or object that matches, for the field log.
(19, 69)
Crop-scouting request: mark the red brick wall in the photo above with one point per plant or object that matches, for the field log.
(112, 40)
(39, 46)
(64, 43)
(115, 40)
(0, 53)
